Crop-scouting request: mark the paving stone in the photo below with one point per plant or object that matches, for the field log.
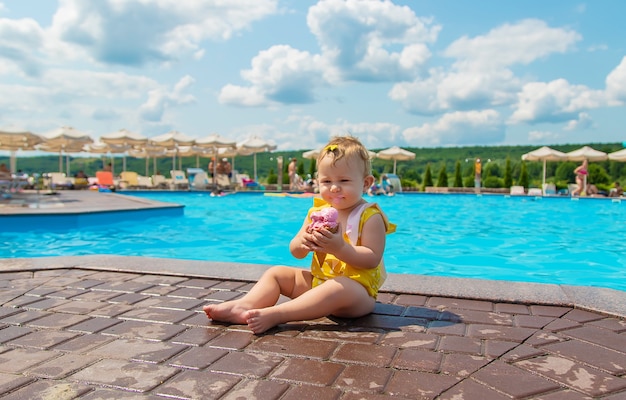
(575, 375)
(233, 340)
(307, 392)
(93, 325)
(198, 385)
(314, 372)
(410, 300)
(144, 330)
(582, 316)
(601, 337)
(61, 367)
(190, 293)
(139, 350)
(65, 293)
(58, 321)
(549, 311)
(600, 357)
(462, 365)
(363, 378)
(419, 385)
(43, 340)
(392, 322)
(126, 287)
(499, 332)
(78, 307)
(135, 376)
(463, 304)
(348, 335)
(199, 283)
(510, 308)
(112, 394)
(261, 390)
(112, 310)
(171, 303)
(418, 360)
(196, 336)
(9, 382)
(157, 315)
(251, 365)
(223, 295)
(480, 317)
(514, 381)
(410, 340)
(293, 346)
(84, 343)
(18, 360)
(469, 389)
(163, 280)
(380, 356)
(496, 348)
(13, 332)
(388, 309)
(49, 390)
(532, 321)
(197, 357)
(449, 344)
(613, 324)
(127, 298)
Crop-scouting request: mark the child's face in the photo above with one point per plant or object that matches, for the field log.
(342, 184)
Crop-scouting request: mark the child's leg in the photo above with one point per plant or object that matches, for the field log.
(288, 281)
(341, 297)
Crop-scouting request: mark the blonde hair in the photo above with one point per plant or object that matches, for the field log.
(349, 147)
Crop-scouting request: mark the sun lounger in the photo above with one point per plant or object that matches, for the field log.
(200, 181)
(58, 180)
(129, 179)
(549, 189)
(517, 191)
(105, 180)
(144, 182)
(159, 182)
(179, 179)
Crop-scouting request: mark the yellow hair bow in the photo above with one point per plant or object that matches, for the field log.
(330, 147)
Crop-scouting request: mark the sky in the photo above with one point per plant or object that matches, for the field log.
(297, 72)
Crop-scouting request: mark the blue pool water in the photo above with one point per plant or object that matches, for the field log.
(547, 240)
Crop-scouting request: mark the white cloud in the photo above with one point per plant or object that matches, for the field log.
(21, 42)
(458, 128)
(543, 136)
(555, 101)
(356, 38)
(136, 32)
(616, 84)
(160, 100)
(480, 77)
(584, 121)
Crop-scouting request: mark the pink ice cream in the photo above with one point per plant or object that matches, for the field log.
(326, 218)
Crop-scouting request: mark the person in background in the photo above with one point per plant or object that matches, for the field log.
(347, 266)
(292, 171)
(211, 166)
(386, 185)
(616, 190)
(227, 168)
(581, 172)
(108, 167)
(4, 171)
(478, 170)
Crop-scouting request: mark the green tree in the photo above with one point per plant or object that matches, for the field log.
(428, 179)
(508, 176)
(442, 179)
(458, 180)
(523, 176)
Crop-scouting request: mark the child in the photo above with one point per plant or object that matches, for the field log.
(347, 267)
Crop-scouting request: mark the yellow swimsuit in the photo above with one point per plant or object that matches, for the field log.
(331, 267)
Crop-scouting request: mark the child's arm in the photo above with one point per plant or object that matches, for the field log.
(367, 255)
(299, 246)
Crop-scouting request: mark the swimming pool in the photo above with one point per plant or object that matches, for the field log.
(546, 240)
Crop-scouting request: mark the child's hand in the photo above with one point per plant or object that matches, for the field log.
(326, 241)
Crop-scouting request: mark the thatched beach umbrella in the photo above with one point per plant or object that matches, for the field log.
(17, 139)
(544, 154)
(255, 145)
(395, 153)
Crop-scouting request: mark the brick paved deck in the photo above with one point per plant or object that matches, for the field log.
(105, 328)
(109, 327)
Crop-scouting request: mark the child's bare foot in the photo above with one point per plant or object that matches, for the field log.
(230, 311)
(262, 319)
